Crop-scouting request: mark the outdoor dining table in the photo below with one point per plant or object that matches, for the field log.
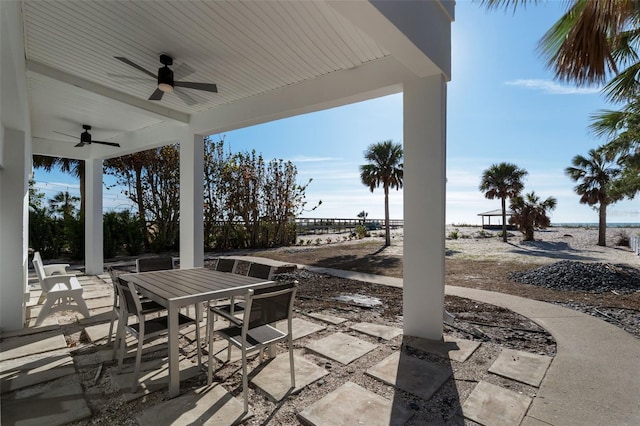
(177, 288)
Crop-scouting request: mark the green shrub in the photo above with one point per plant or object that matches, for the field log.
(454, 234)
(361, 231)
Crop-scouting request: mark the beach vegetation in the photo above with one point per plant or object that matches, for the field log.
(622, 238)
(622, 129)
(596, 179)
(529, 213)
(503, 180)
(384, 167)
(361, 231)
(454, 235)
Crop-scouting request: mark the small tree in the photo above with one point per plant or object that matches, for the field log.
(530, 213)
(385, 168)
(502, 181)
(363, 215)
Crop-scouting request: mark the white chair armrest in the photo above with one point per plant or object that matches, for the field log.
(67, 280)
(60, 268)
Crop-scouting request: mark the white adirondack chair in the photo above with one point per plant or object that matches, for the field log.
(58, 293)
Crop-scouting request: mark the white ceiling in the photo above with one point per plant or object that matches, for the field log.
(248, 48)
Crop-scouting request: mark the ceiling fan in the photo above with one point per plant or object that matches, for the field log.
(166, 82)
(85, 138)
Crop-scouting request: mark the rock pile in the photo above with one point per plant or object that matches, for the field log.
(580, 276)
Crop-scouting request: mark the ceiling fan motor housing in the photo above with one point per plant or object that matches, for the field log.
(165, 76)
(85, 137)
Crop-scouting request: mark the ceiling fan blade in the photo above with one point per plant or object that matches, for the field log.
(186, 98)
(181, 71)
(79, 144)
(107, 143)
(136, 66)
(64, 134)
(156, 95)
(128, 77)
(207, 87)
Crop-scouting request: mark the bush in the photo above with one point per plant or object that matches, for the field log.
(454, 235)
(622, 239)
(361, 231)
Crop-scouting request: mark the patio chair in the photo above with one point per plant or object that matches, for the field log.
(148, 307)
(144, 329)
(256, 270)
(148, 264)
(264, 306)
(59, 292)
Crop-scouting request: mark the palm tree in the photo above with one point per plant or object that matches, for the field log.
(64, 204)
(67, 165)
(529, 213)
(590, 41)
(596, 176)
(502, 181)
(622, 128)
(385, 168)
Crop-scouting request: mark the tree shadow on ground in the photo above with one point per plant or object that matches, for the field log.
(549, 249)
(369, 264)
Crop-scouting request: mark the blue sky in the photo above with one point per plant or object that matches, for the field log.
(503, 105)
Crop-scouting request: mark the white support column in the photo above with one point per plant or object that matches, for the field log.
(191, 200)
(424, 206)
(93, 238)
(14, 228)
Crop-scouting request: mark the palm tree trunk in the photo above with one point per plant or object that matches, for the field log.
(504, 220)
(602, 225)
(387, 241)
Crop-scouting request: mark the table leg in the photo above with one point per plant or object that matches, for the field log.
(174, 353)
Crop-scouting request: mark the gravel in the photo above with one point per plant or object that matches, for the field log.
(581, 276)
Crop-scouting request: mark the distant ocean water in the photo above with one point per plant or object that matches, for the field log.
(595, 225)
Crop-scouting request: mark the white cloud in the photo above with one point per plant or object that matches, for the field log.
(553, 88)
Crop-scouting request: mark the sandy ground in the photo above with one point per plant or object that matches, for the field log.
(551, 245)
(472, 243)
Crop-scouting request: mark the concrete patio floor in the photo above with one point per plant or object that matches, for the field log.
(37, 369)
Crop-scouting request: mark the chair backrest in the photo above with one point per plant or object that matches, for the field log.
(127, 293)
(37, 265)
(259, 270)
(154, 264)
(269, 305)
(36, 256)
(226, 265)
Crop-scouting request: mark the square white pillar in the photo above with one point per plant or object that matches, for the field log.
(191, 201)
(14, 228)
(424, 205)
(93, 237)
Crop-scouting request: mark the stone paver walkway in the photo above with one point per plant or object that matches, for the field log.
(593, 356)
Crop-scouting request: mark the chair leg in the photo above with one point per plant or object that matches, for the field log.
(113, 320)
(136, 371)
(122, 338)
(210, 363)
(81, 304)
(198, 308)
(291, 367)
(46, 309)
(245, 380)
(42, 298)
